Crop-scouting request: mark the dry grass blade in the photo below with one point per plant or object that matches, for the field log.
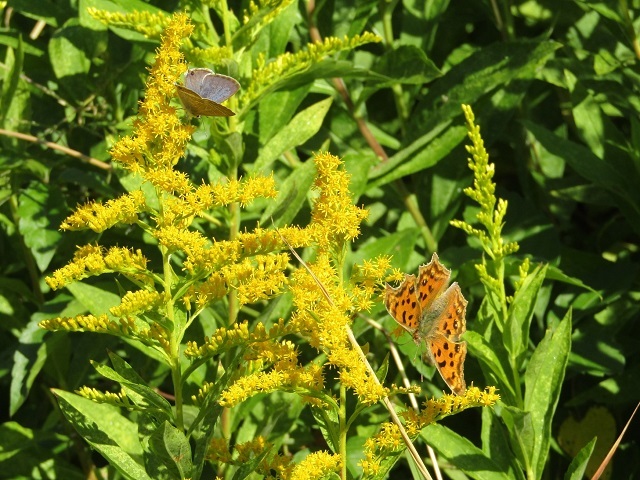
(607, 459)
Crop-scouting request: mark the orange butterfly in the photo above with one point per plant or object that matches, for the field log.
(436, 314)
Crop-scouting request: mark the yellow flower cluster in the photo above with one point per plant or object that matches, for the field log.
(204, 256)
(366, 280)
(316, 465)
(254, 278)
(91, 323)
(219, 451)
(137, 302)
(99, 217)
(327, 330)
(337, 219)
(285, 376)
(249, 449)
(243, 191)
(279, 464)
(385, 443)
(215, 55)
(437, 408)
(149, 24)
(159, 139)
(117, 399)
(222, 340)
(93, 260)
(264, 11)
(389, 441)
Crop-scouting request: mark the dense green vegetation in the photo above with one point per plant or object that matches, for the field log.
(201, 377)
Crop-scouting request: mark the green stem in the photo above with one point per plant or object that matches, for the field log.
(342, 417)
(175, 338)
(228, 39)
(411, 202)
(225, 22)
(176, 376)
(505, 316)
(386, 8)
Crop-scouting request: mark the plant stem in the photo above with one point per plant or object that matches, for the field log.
(386, 10)
(175, 337)
(342, 417)
(54, 146)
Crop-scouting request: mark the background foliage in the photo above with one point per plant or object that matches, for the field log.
(555, 90)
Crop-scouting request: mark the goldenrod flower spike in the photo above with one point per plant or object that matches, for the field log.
(389, 441)
(267, 75)
(151, 25)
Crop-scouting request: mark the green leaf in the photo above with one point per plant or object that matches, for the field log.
(276, 110)
(400, 244)
(137, 391)
(555, 273)
(40, 212)
(292, 195)
(171, 453)
(516, 331)
(485, 70)
(301, 128)
(493, 366)
(106, 430)
(327, 421)
(589, 121)
(425, 152)
(14, 40)
(405, 64)
(327, 68)
(520, 427)
(382, 371)
(24, 451)
(12, 104)
(462, 453)
(71, 50)
(202, 428)
(496, 444)
(543, 383)
(621, 186)
(250, 466)
(357, 164)
(97, 300)
(446, 196)
(579, 463)
(28, 360)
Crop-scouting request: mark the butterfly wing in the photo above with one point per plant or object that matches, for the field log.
(448, 358)
(433, 279)
(196, 105)
(442, 327)
(402, 303)
(218, 87)
(194, 78)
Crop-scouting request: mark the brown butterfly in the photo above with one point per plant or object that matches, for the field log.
(436, 314)
(203, 91)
